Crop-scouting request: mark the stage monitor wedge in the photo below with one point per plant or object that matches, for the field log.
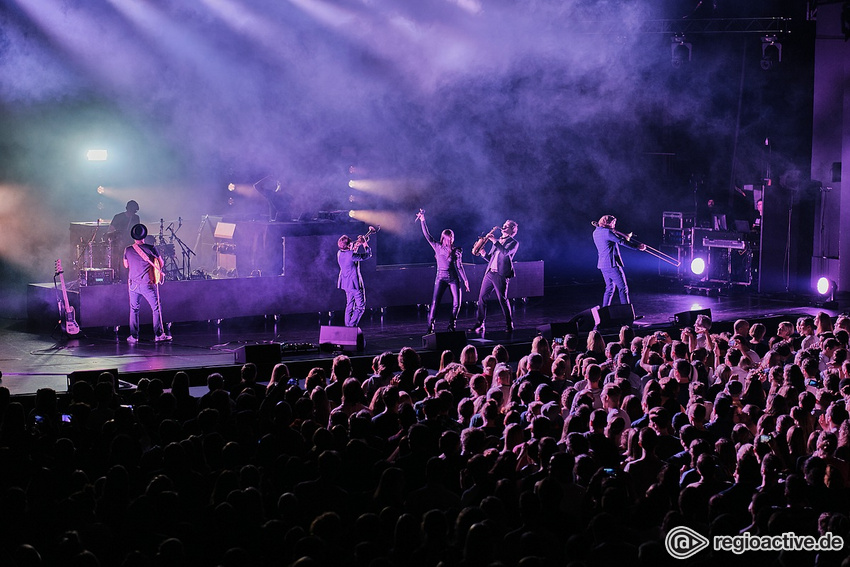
(341, 338)
(583, 322)
(688, 318)
(613, 316)
(267, 353)
(90, 376)
(449, 340)
(553, 331)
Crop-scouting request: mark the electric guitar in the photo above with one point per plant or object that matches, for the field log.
(69, 324)
(156, 275)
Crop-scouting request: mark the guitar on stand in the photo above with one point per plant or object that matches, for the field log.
(66, 312)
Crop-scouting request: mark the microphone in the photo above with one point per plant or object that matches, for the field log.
(179, 222)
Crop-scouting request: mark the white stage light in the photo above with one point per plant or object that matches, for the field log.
(698, 266)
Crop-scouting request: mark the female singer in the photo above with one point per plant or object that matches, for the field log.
(449, 272)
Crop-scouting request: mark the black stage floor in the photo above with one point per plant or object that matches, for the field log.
(32, 360)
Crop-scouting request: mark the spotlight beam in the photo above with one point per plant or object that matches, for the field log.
(389, 221)
(391, 188)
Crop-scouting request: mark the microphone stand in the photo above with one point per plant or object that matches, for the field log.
(187, 254)
(204, 222)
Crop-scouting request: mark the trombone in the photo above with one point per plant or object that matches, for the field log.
(649, 249)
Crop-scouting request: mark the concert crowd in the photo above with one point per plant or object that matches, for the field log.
(580, 453)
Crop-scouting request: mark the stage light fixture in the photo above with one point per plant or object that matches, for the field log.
(100, 190)
(351, 183)
(698, 266)
(680, 51)
(96, 155)
(826, 286)
(771, 52)
(231, 187)
(351, 214)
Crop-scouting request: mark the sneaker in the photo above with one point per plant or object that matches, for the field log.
(163, 338)
(132, 340)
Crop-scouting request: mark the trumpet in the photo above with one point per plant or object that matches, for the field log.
(648, 249)
(479, 244)
(364, 238)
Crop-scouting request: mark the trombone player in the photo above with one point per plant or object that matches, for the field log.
(608, 241)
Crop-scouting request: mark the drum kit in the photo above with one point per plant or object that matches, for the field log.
(95, 254)
(107, 252)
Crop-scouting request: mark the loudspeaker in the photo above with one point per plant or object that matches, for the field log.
(687, 318)
(97, 276)
(553, 330)
(450, 340)
(583, 321)
(580, 323)
(341, 338)
(258, 354)
(614, 315)
(90, 376)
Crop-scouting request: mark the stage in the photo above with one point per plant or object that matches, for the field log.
(32, 359)
(311, 289)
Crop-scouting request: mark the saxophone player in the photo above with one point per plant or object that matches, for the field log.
(500, 269)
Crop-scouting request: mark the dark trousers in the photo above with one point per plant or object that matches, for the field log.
(493, 282)
(151, 295)
(440, 285)
(615, 279)
(355, 306)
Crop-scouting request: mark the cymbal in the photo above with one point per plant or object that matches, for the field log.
(175, 224)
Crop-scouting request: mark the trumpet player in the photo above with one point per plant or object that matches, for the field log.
(608, 241)
(450, 272)
(349, 256)
(500, 269)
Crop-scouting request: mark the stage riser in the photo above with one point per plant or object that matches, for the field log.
(201, 300)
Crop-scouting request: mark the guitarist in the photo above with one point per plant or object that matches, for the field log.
(144, 265)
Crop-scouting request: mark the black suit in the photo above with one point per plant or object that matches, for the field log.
(499, 270)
